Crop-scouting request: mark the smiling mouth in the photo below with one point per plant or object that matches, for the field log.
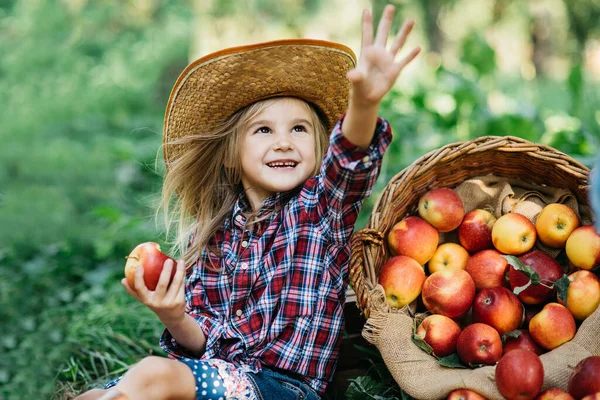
(284, 164)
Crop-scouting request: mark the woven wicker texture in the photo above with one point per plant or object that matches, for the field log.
(505, 156)
(511, 158)
(214, 87)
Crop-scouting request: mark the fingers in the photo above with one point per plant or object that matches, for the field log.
(367, 29)
(138, 281)
(384, 25)
(406, 60)
(401, 37)
(129, 289)
(177, 287)
(165, 277)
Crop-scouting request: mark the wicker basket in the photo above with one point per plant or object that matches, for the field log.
(506, 157)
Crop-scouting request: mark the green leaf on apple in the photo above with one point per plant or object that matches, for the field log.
(524, 268)
(423, 345)
(562, 286)
(513, 334)
(451, 361)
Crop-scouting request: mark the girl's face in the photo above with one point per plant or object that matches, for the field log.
(277, 149)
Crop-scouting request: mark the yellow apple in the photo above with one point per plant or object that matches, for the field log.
(583, 247)
(583, 294)
(402, 280)
(513, 234)
(555, 223)
(448, 256)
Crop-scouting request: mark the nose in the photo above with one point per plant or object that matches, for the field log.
(283, 142)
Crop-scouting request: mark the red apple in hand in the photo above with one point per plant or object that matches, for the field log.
(442, 208)
(546, 267)
(479, 344)
(475, 230)
(149, 256)
(499, 308)
(585, 377)
(519, 375)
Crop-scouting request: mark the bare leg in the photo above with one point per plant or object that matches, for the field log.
(91, 394)
(157, 378)
(102, 394)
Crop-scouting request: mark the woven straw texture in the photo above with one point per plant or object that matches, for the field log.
(543, 172)
(214, 87)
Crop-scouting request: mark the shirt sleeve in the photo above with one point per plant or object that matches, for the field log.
(346, 178)
(198, 307)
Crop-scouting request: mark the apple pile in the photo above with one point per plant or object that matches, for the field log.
(490, 297)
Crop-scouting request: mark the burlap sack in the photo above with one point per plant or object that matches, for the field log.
(418, 373)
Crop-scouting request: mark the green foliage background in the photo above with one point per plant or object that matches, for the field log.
(83, 86)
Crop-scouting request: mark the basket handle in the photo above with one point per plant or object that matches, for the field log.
(362, 277)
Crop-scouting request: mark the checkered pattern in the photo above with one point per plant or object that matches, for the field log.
(278, 299)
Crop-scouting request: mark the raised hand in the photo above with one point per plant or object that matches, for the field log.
(167, 301)
(377, 68)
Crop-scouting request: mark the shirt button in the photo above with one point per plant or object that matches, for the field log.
(245, 243)
(238, 218)
(366, 159)
(244, 265)
(238, 313)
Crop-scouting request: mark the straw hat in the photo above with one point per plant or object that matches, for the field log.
(215, 86)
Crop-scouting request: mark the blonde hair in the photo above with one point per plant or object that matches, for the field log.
(201, 186)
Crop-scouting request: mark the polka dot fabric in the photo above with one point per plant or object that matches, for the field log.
(219, 380)
(216, 380)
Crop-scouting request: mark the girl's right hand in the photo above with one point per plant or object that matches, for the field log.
(166, 301)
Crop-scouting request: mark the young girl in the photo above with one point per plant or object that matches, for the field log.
(266, 202)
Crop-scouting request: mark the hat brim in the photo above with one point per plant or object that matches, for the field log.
(214, 87)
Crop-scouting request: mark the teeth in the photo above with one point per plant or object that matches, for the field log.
(282, 164)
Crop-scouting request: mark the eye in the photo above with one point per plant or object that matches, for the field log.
(299, 128)
(263, 129)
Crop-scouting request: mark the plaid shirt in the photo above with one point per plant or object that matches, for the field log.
(278, 300)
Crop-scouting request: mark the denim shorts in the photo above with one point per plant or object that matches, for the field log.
(269, 384)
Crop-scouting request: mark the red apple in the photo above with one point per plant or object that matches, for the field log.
(441, 333)
(555, 223)
(585, 377)
(442, 208)
(448, 292)
(448, 256)
(583, 294)
(523, 341)
(554, 394)
(547, 268)
(402, 279)
(464, 394)
(415, 238)
(479, 344)
(149, 256)
(513, 234)
(499, 308)
(593, 396)
(583, 247)
(519, 375)
(487, 268)
(552, 326)
(475, 230)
